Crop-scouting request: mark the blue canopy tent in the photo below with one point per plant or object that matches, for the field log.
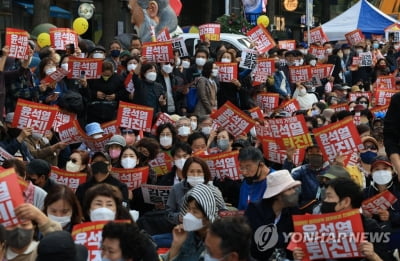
(55, 11)
(364, 16)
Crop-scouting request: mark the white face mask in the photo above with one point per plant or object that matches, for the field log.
(214, 72)
(329, 51)
(382, 177)
(303, 51)
(128, 163)
(200, 61)
(192, 223)
(193, 181)
(302, 92)
(151, 76)
(301, 61)
(98, 55)
(65, 220)
(193, 124)
(99, 214)
(179, 163)
(178, 61)
(97, 136)
(165, 141)
(64, 66)
(131, 67)
(184, 131)
(206, 130)
(313, 62)
(253, 132)
(72, 167)
(167, 68)
(225, 60)
(50, 70)
(185, 64)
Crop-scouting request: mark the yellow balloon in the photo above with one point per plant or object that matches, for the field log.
(80, 25)
(263, 20)
(43, 40)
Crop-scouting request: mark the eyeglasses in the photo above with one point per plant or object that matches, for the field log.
(127, 132)
(362, 102)
(371, 147)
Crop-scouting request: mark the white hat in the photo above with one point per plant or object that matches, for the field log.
(279, 181)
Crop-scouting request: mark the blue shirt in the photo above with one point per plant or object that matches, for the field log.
(251, 193)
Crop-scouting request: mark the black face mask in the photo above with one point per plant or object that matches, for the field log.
(13, 132)
(19, 238)
(250, 180)
(328, 207)
(315, 160)
(99, 167)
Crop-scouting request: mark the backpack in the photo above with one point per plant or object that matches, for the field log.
(191, 96)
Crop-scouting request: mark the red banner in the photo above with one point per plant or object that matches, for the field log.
(62, 118)
(264, 67)
(71, 132)
(161, 119)
(10, 197)
(383, 200)
(56, 76)
(97, 144)
(382, 109)
(273, 152)
(300, 73)
(158, 52)
(91, 67)
(256, 113)
(70, 179)
(232, 119)
(382, 97)
(135, 117)
(290, 106)
(339, 107)
(223, 165)
(162, 164)
(4, 155)
(110, 127)
(322, 70)
(328, 236)
(354, 95)
(338, 137)
(267, 101)
(317, 35)
(354, 37)
(227, 71)
(164, 36)
(61, 37)
(209, 32)
(17, 40)
(287, 44)
(261, 38)
(38, 116)
(385, 82)
(133, 178)
(317, 51)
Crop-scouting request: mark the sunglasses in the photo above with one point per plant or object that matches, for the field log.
(372, 147)
(362, 102)
(127, 132)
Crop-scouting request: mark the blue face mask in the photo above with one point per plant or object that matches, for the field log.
(115, 53)
(368, 156)
(375, 45)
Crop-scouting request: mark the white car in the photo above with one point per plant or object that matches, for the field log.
(237, 41)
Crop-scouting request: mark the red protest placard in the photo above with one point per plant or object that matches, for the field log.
(97, 144)
(300, 73)
(162, 164)
(61, 37)
(38, 116)
(317, 35)
(17, 40)
(267, 101)
(164, 36)
(290, 106)
(62, 118)
(290, 132)
(273, 152)
(56, 76)
(382, 109)
(110, 127)
(161, 119)
(256, 113)
(232, 119)
(338, 137)
(322, 70)
(383, 200)
(91, 66)
(355, 37)
(261, 38)
(382, 96)
(209, 32)
(317, 51)
(10, 197)
(354, 95)
(154, 194)
(264, 67)
(223, 165)
(339, 107)
(386, 82)
(135, 117)
(227, 71)
(158, 52)
(328, 236)
(70, 179)
(133, 178)
(4, 155)
(287, 44)
(71, 132)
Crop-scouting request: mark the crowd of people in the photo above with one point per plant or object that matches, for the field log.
(190, 223)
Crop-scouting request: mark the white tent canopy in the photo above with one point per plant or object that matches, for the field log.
(363, 15)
